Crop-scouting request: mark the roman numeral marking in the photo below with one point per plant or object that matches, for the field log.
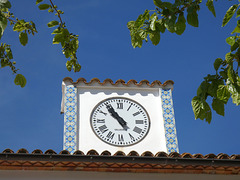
(132, 138)
(103, 112)
(119, 105)
(137, 130)
(129, 107)
(136, 113)
(110, 135)
(103, 128)
(120, 137)
(139, 121)
(100, 120)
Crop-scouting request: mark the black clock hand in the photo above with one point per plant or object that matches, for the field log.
(117, 117)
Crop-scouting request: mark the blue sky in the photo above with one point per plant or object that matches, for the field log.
(30, 116)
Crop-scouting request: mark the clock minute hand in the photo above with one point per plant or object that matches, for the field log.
(117, 117)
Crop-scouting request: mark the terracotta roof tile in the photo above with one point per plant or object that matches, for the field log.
(22, 151)
(78, 152)
(147, 153)
(50, 151)
(120, 81)
(92, 152)
(133, 153)
(106, 153)
(161, 162)
(64, 152)
(161, 154)
(210, 156)
(186, 155)
(37, 151)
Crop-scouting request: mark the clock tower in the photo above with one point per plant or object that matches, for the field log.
(108, 116)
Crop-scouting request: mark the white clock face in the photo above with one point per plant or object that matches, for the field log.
(120, 121)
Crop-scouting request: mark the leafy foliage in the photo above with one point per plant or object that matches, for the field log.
(68, 41)
(222, 85)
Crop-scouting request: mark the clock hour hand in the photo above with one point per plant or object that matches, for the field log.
(115, 115)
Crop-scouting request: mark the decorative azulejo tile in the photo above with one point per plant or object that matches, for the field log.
(169, 121)
(70, 119)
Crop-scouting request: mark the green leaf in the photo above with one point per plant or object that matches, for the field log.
(38, 1)
(231, 40)
(170, 23)
(238, 13)
(20, 80)
(3, 25)
(9, 53)
(201, 109)
(153, 22)
(197, 106)
(5, 4)
(154, 37)
(192, 18)
(58, 38)
(57, 31)
(160, 25)
(217, 63)
(23, 37)
(231, 74)
(234, 89)
(211, 7)
(213, 87)
(236, 30)
(202, 89)
(229, 14)
(136, 40)
(218, 106)
(223, 94)
(229, 57)
(180, 26)
(77, 67)
(69, 65)
(53, 23)
(44, 6)
(158, 3)
(234, 46)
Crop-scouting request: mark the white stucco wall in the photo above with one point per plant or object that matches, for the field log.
(80, 175)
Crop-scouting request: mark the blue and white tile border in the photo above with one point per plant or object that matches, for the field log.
(169, 121)
(70, 119)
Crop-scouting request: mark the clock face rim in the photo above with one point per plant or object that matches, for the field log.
(116, 97)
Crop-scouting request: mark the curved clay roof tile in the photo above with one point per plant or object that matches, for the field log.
(144, 82)
(132, 81)
(78, 152)
(119, 153)
(94, 79)
(108, 80)
(147, 153)
(174, 154)
(133, 153)
(106, 153)
(50, 151)
(198, 156)
(161, 154)
(64, 152)
(92, 152)
(37, 151)
(22, 150)
(119, 81)
(186, 155)
(209, 156)
(8, 151)
(223, 156)
(235, 156)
